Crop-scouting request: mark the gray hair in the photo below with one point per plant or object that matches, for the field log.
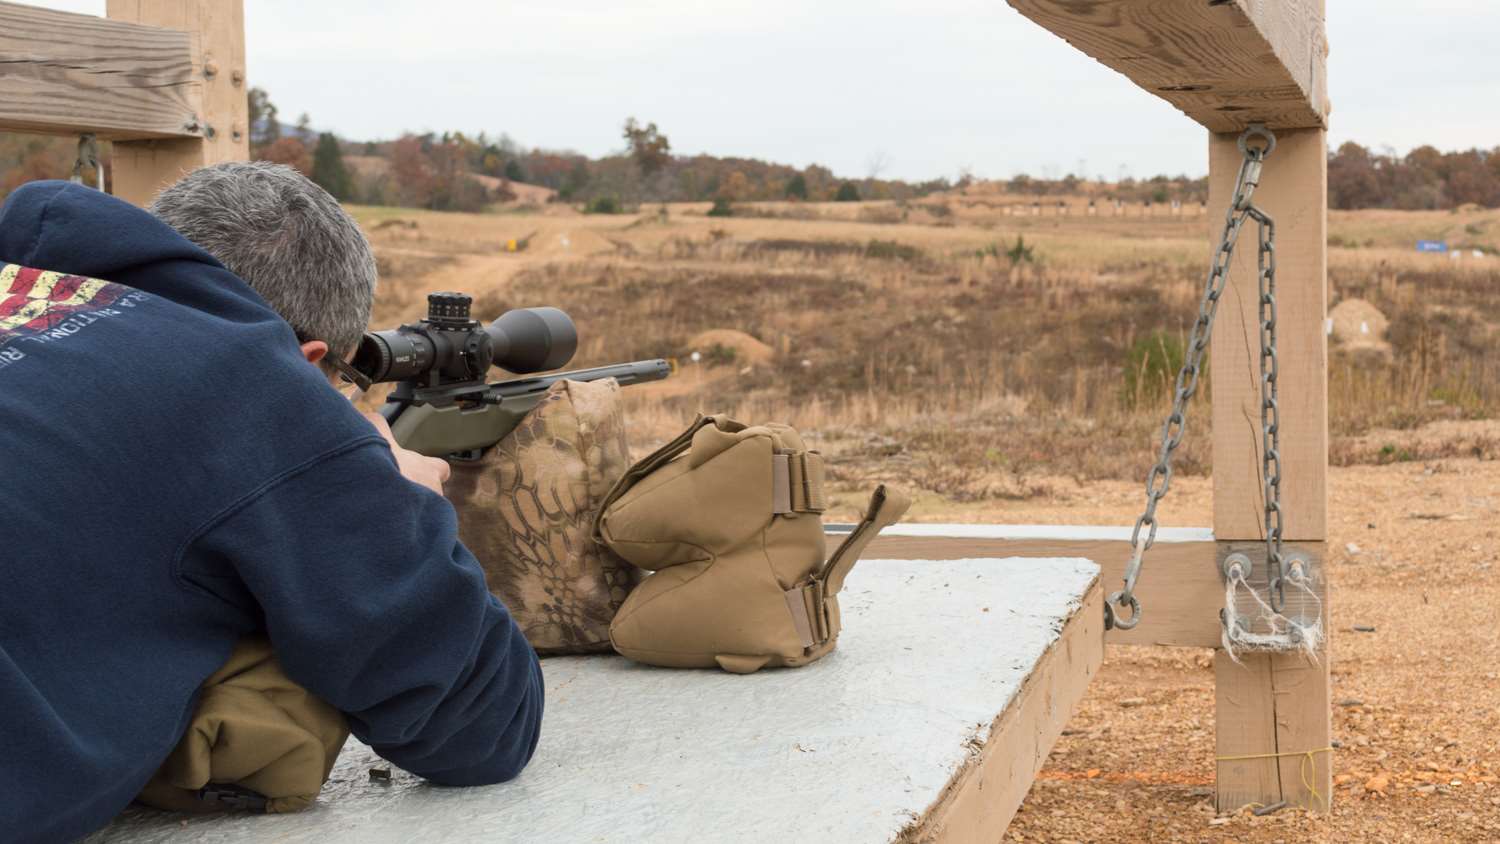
(287, 238)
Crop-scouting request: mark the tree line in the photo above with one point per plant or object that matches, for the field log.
(1424, 178)
(454, 171)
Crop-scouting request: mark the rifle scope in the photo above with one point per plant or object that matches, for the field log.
(447, 346)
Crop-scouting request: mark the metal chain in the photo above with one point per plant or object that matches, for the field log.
(1270, 410)
(88, 153)
(1160, 478)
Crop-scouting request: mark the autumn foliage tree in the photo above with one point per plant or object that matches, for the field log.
(1423, 178)
(291, 152)
(413, 172)
(648, 146)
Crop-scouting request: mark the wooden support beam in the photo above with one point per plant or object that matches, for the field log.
(1228, 64)
(1271, 704)
(1179, 587)
(1225, 64)
(217, 30)
(62, 73)
(1294, 191)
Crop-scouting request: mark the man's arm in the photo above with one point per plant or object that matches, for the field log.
(373, 604)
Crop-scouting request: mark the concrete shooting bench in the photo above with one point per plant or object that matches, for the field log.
(951, 681)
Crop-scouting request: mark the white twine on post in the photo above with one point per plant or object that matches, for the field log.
(1280, 633)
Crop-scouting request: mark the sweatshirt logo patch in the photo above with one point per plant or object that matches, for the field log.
(41, 306)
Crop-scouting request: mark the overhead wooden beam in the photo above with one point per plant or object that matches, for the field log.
(217, 29)
(62, 73)
(1224, 63)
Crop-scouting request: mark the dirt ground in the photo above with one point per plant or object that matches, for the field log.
(1413, 554)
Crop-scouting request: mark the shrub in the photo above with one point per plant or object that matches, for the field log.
(720, 355)
(847, 193)
(1020, 253)
(890, 250)
(602, 205)
(1151, 368)
(722, 208)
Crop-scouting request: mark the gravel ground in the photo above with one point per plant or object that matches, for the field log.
(1417, 701)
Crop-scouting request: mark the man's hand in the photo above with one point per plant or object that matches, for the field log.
(430, 472)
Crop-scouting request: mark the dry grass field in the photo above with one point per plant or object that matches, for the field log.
(1014, 368)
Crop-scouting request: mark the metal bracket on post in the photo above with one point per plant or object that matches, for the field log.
(1246, 564)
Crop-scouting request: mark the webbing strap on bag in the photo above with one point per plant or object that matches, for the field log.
(797, 483)
(806, 602)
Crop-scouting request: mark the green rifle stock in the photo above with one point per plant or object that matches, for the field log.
(460, 421)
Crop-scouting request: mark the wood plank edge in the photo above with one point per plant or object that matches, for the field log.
(983, 795)
(112, 132)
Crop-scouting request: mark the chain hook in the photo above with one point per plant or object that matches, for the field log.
(1122, 600)
(88, 153)
(1257, 130)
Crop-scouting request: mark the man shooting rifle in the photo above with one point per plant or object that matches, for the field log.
(179, 472)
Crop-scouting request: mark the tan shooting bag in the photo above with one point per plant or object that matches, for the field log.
(729, 518)
(257, 741)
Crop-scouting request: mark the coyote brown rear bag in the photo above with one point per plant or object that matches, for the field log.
(526, 510)
(729, 518)
(257, 741)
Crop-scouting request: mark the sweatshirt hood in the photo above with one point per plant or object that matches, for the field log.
(62, 226)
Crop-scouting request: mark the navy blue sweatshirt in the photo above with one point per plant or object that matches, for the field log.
(174, 475)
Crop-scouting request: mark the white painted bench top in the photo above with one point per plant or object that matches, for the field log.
(852, 748)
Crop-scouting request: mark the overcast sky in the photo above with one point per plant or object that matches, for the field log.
(926, 86)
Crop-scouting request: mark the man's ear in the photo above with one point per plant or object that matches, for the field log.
(314, 350)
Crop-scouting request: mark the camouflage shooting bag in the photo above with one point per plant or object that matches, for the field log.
(729, 517)
(526, 510)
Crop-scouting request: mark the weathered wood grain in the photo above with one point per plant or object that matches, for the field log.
(1293, 190)
(217, 29)
(1225, 64)
(62, 73)
(1274, 704)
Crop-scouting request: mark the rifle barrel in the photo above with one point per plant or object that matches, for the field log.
(637, 372)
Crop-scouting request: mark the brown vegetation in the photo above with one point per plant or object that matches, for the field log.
(943, 355)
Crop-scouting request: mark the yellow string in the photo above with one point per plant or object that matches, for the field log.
(1307, 763)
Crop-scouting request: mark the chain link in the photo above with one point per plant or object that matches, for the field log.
(1270, 410)
(1160, 478)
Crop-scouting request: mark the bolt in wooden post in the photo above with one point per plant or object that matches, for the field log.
(217, 27)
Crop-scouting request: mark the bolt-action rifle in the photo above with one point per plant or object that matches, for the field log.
(442, 406)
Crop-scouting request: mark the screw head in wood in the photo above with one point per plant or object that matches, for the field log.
(210, 68)
(237, 77)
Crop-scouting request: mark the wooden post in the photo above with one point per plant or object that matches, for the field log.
(1227, 64)
(217, 27)
(1274, 704)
